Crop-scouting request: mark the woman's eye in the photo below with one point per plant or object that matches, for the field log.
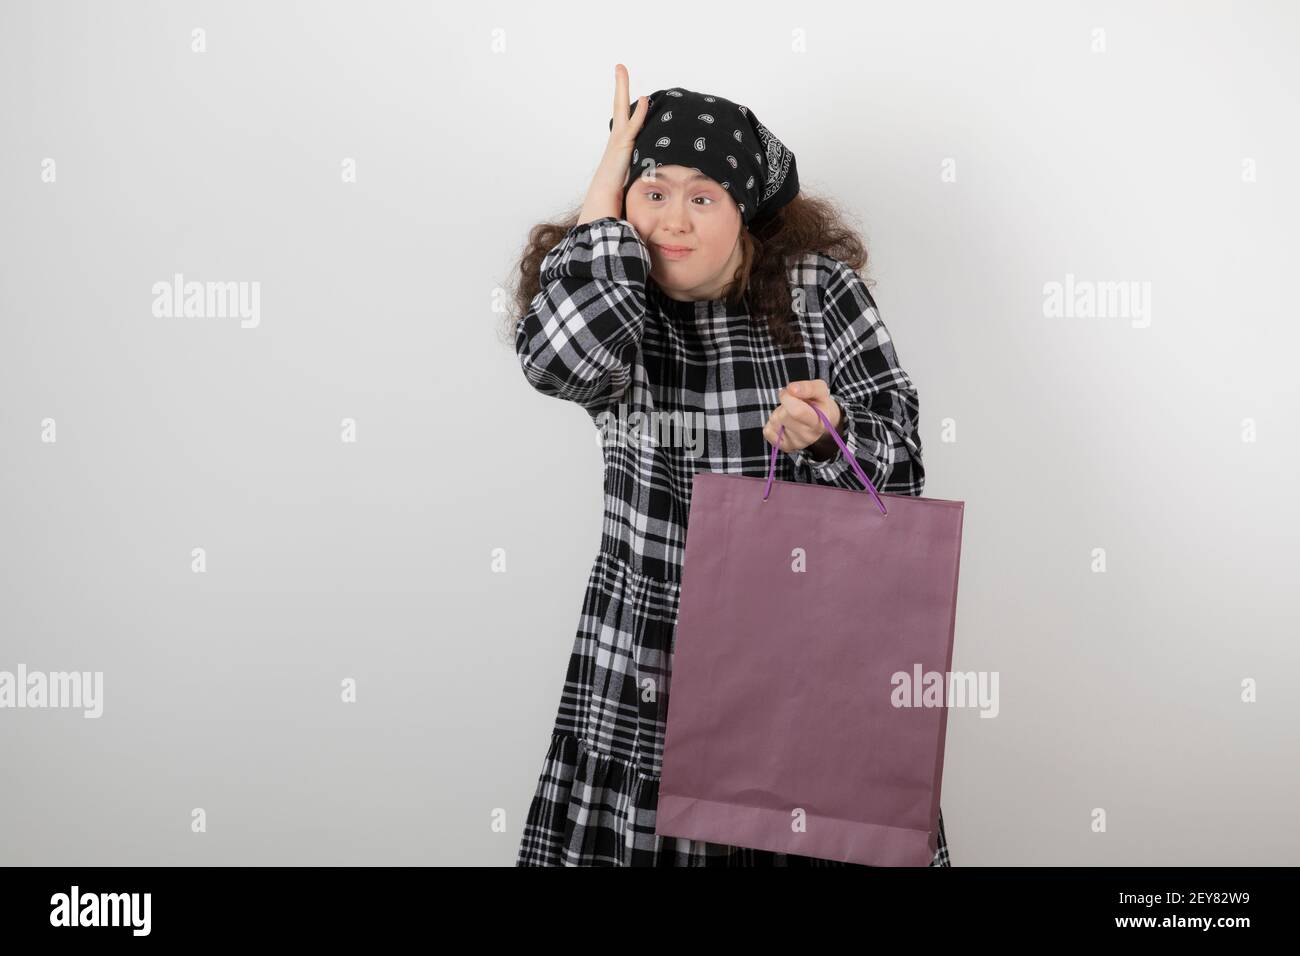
(650, 194)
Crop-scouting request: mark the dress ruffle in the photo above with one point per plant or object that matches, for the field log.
(595, 809)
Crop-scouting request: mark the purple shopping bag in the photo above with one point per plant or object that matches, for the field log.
(789, 727)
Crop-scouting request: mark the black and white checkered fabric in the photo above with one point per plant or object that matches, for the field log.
(602, 334)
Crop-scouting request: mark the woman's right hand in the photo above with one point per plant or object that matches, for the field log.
(605, 194)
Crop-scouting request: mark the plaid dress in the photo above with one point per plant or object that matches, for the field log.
(602, 334)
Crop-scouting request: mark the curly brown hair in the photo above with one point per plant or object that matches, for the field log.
(805, 224)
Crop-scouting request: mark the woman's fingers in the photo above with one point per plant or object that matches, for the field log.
(813, 388)
(638, 117)
(791, 438)
(626, 124)
(803, 425)
(605, 194)
(771, 429)
(620, 94)
(799, 410)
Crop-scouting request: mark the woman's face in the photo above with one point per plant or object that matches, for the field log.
(684, 208)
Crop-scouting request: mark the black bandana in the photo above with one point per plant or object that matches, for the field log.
(724, 141)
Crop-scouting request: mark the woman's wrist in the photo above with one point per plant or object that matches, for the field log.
(825, 447)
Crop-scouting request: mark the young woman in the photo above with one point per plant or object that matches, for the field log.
(696, 280)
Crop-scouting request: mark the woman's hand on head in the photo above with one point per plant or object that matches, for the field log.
(803, 427)
(605, 194)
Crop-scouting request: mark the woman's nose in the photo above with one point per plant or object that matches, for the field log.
(675, 215)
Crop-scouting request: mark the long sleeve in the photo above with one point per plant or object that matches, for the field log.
(577, 341)
(880, 402)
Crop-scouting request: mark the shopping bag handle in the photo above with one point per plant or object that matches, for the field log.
(771, 468)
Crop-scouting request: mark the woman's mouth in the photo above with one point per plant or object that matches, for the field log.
(673, 252)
